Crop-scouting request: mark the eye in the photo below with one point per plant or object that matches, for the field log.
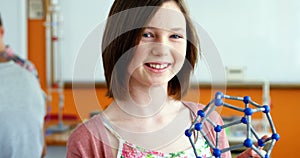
(147, 35)
(176, 36)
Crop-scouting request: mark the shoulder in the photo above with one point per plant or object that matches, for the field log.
(17, 73)
(87, 130)
(24, 82)
(193, 106)
(21, 84)
(24, 63)
(89, 139)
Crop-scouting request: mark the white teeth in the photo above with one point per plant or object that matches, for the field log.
(158, 66)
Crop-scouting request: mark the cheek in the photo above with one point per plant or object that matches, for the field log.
(180, 50)
(179, 56)
(136, 61)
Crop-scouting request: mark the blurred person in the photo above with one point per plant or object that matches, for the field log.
(22, 106)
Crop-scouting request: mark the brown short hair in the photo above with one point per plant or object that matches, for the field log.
(119, 38)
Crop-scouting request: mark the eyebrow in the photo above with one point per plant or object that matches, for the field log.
(172, 29)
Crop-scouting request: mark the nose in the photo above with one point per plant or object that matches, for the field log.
(160, 48)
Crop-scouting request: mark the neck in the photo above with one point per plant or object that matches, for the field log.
(144, 96)
(144, 101)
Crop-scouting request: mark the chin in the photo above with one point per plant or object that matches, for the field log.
(159, 83)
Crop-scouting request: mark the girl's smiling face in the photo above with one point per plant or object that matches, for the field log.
(161, 51)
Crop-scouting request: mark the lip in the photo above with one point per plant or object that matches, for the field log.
(157, 67)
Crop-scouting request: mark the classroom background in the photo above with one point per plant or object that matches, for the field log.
(258, 42)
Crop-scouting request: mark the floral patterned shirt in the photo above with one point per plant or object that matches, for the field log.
(128, 150)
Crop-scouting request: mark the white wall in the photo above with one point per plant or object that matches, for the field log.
(261, 35)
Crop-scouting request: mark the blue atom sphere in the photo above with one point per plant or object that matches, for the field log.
(267, 108)
(198, 126)
(217, 152)
(244, 120)
(276, 136)
(201, 113)
(187, 133)
(218, 128)
(246, 99)
(219, 95)
(248, 111)
(261, 143)
(248, 143)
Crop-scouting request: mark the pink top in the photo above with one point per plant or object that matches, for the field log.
(90, 140)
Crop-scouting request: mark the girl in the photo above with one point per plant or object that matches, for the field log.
(149, 51)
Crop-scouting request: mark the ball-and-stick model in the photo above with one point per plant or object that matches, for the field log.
(251, 134)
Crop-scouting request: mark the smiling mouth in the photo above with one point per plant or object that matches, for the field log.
(157, 66)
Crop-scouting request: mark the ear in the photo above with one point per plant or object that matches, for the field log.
(1, 31)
